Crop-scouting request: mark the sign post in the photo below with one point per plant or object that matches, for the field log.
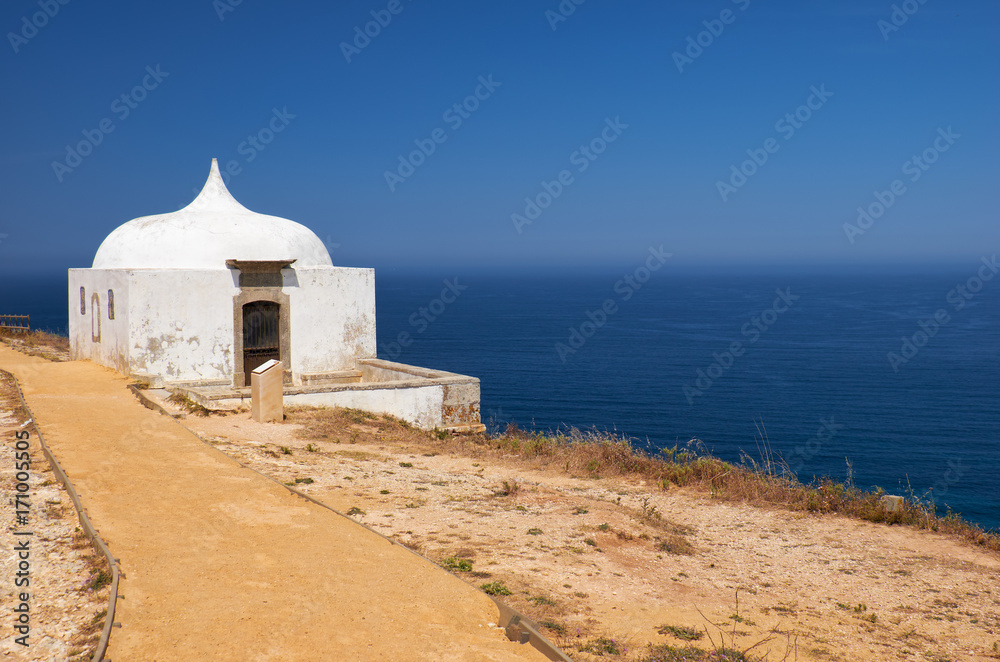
(267, 392)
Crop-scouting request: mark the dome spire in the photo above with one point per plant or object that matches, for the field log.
(208, 232)
(214, 195)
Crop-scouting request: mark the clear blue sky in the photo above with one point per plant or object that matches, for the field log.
(226, 69)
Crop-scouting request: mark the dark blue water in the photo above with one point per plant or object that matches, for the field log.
(812, 370)
(817, 375)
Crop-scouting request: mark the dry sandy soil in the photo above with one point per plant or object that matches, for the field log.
(600, 559)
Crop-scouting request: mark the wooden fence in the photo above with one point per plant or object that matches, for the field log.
(19, 323)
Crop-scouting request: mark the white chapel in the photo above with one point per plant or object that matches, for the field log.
(195, 299)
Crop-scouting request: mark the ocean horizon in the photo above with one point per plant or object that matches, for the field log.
(886, 373)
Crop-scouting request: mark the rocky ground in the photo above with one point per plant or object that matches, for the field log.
(609, 566)
(67, 601)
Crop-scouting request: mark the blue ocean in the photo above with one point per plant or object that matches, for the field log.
(891, 375)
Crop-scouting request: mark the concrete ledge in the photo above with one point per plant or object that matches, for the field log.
(378, 370)
(426, 398)
(335, 377)
(149, 401)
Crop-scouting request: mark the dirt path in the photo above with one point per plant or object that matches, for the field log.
(220, 563)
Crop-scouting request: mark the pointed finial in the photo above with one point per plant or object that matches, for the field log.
(214, 193)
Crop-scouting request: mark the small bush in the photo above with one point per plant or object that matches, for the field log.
(675, 544)
(552, 625)
(495, 588)
(454, 563)
(508, 489)
(681, 632)
(666, 653)
(602, 646)
(99, 580)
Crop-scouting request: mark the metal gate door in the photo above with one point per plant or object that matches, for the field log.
(261, 338)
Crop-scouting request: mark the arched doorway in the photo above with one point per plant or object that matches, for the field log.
(261, 335)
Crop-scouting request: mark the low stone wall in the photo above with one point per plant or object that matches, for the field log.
(426, 398)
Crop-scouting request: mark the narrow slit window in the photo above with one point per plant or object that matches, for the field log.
(83, 301)
(111, 304)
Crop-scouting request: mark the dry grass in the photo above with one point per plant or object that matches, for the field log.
(85, 641)
(768, 482)
(594, 455)
(189, 405)
(37, 343)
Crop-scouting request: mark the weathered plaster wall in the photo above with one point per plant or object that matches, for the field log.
(332, 318)
(421, 405)
(181, 323)
(111, 348)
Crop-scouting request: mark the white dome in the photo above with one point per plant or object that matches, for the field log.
(212, 229)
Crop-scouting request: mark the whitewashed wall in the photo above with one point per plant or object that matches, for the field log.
(332, 318)
(181, 323)
(178, 323)
(420, 405)
(112, 348)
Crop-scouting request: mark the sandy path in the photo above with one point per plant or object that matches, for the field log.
(222, 564)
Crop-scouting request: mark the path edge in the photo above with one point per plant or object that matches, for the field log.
(88, 528)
